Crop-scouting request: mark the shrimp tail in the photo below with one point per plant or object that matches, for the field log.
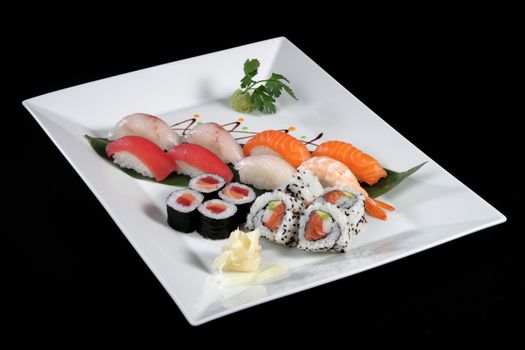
(374, 209)
(384, 205)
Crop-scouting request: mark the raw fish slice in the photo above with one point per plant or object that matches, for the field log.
(194, 160)
(236, 192)
(278, 143)
(264, 171)
(148, 126)
(274, 219)
(217, 140)
(365, 167)
(208, 183)
(142, 155)
(318, 227)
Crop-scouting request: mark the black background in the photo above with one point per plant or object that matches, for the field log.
(443, 76)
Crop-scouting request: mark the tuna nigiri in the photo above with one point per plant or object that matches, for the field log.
(148, 126)
(332, 173)
(365, 168)
(142, 155)
(264, 171)
(217, 140)
(280, 144)
(194, 160)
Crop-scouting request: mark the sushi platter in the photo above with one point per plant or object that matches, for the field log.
(296, 180)
(253, 198)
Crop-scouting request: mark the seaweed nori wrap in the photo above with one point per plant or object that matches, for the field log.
(217, 219)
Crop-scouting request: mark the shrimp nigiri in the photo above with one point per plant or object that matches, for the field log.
(148, 126)
(365, 167)
(217, 140)
(331, 172)
(280, 144)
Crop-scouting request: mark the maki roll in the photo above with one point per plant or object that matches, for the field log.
(276, 215)
(324, 227)
(182, 210)
(303, 186)
(207, 184)
(350, 201)
(240, 195)
(216, 219)
(341, 196)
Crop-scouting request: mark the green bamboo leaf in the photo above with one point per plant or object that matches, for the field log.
(387, 183)
(99, 145)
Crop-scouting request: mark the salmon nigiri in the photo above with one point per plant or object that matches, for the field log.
(331, 172)
(365, 167)
(278, 143)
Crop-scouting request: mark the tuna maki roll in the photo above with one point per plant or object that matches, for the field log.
(182, 210)
(240, 195)
(207, 184)
(216, 219)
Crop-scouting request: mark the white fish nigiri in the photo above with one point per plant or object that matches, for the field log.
(148, 126)
(217, 140)
(264, 171)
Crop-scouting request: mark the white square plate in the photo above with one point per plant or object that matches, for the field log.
(432, 206)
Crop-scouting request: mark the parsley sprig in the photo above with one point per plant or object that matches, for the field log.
(259, 94)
